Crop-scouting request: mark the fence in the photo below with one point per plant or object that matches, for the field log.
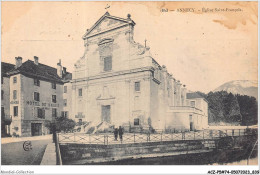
(57, 149)
(107, 139)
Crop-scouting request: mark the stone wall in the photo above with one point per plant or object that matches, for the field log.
(220, 150)
(82, 153)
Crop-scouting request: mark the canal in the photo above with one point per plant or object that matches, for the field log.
(218, 157)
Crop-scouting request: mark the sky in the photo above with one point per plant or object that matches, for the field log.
(201, 49)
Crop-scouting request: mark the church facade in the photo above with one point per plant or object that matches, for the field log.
(118, 81)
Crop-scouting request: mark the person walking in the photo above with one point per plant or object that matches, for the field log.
(120, 131)
(116, 133)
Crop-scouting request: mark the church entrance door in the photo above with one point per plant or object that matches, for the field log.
(106, 113)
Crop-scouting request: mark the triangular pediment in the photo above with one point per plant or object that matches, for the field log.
(107, 22)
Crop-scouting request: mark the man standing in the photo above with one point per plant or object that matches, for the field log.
(120, 130)
(116, 133)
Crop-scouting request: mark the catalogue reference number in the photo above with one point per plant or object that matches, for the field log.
(233, 172)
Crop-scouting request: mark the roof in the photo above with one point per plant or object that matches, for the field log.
(107, 15)
(6, 67)
(67, 77)
(193, 95)
(41, 71)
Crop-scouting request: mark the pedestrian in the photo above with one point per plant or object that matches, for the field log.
(116, 133)
(120, 131)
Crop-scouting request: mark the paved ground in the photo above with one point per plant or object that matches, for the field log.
(49, 157)
(22, 139)
(14, 154)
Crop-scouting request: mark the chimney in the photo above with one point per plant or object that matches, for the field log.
(18, 61)
(59, 69)
(36, 60)
(184, 95)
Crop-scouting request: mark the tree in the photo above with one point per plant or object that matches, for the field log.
(223, 107)
(248, 109)
(64, 124)
(47, 124)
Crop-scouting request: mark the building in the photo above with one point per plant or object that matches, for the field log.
(118, 81)
(36, 96)
(191, 116)
(6, 118)
(67, 89)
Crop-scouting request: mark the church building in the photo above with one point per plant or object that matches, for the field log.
(119, 82)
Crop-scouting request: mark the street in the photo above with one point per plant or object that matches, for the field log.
(14, 153)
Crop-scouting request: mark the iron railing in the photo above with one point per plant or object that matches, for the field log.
(57, 148)
(108, 138)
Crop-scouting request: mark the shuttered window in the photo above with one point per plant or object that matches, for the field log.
(36, 82)
(53, 98)
(53, 85)
(15, 111)
(80, 92)
(36, 96)
(137, 86)
(54, 112)
(41, 113)
(64, 114)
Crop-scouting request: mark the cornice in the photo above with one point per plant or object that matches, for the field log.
(112, 74)
(105, 31)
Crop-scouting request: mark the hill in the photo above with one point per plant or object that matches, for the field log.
(242, 87)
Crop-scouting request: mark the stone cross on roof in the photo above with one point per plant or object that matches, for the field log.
(107, 7)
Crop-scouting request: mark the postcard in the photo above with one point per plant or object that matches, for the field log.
(112, 83)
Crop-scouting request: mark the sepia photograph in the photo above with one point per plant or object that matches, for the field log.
(129, 83)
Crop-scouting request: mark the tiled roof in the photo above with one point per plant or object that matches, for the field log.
(6, 67)
(41, 71)
(193, 95)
